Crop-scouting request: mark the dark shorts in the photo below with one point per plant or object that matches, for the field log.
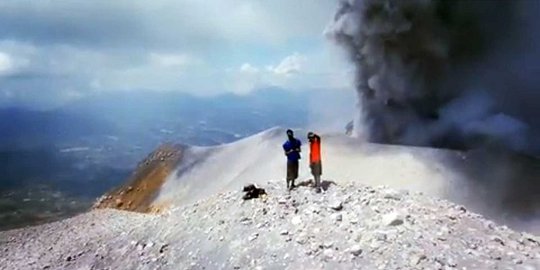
(316, 168)
(292, 170)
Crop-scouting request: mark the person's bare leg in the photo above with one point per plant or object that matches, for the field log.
(317, 182)
(294, 174)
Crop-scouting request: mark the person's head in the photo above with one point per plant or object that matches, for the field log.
(310, 136)
(290, 134)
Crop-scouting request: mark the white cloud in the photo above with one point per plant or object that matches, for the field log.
(243, 80)
(157, 71)
(171, 60)
(11, 63)
(320, 69)
(290, 65)
(249, 77)
(179, 45)
(6, 64)
(248, 68)
(172, 24)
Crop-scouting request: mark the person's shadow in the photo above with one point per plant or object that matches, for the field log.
(325, 184)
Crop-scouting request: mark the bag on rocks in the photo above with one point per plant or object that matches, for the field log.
(252, 192)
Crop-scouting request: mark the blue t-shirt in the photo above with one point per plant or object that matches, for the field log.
(292, 145)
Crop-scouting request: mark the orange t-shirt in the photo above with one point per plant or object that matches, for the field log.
(315, 150)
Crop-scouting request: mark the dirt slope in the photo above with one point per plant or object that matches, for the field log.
(139, 192)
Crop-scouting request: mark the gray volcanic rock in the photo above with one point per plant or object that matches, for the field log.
(377, 228)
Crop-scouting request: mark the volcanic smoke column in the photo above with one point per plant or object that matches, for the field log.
(410, 58)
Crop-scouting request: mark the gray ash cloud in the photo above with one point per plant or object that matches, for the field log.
(455, 74)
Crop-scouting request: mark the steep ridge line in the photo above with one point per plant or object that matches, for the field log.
(139, 191)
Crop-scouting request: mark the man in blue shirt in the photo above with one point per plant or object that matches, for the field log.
(292, 148)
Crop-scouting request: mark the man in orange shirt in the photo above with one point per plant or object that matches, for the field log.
(315, 159)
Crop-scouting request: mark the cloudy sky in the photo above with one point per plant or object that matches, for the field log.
(55, 51)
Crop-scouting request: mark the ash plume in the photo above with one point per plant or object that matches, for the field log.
(456, 74)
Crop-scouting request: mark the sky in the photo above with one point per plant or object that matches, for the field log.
(53, 52)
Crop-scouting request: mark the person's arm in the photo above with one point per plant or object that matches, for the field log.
(298, 146)
(285, 149)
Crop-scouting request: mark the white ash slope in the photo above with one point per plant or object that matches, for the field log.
(348, 227)
(205, 171)
(498, 185)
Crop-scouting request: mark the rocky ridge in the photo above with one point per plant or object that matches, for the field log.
(349, 226)
(139, 191)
